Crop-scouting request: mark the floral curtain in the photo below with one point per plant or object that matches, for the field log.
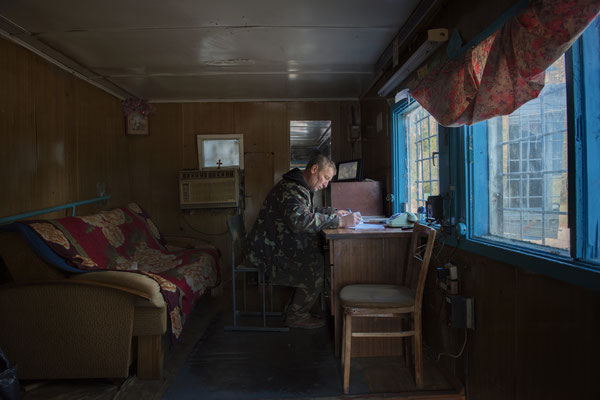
(506, 69)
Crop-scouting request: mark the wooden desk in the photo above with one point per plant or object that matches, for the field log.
(359, 256)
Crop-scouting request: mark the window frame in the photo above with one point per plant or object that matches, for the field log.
(456, 149)
(478, 137)
(575, 268)
(400, 154)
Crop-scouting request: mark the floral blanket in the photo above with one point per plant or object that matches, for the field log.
(126, 239)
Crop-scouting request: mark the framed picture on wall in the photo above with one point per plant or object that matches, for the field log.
(349, 170)
(137, 124)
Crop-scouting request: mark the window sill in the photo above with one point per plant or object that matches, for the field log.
(567, 270)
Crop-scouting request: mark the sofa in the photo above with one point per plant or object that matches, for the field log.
(84, 297)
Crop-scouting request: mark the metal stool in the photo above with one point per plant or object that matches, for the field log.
(238, 237)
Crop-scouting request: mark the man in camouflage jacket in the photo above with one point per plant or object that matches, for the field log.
(284, 241)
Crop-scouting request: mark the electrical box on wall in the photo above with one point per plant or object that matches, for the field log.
(355, 132)
(461, 311)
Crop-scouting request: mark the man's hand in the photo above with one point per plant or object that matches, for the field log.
(350, 219)
(342, 213)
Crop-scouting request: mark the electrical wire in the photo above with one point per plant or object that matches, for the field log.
(454, 251)
(459, 353)
(199, 231)
(435, 255)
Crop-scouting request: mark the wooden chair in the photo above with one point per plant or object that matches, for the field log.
(238, 265)
(386, 300)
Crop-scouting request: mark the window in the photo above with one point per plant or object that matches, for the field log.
(533, 176)
(525, 160)
(216, 151)
(415, 151)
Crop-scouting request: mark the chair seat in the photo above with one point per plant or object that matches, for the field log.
(376, 296)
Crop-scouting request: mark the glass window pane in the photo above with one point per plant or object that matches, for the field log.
(426, 170)
(221, 152)
(421, 131)
(527, 164)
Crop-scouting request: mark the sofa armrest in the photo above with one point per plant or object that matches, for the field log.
(150, 311)
(147, 287)
(67, 329)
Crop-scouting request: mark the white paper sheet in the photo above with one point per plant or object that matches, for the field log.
(369, 227)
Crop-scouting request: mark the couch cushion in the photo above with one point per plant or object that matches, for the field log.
(116, 239)
(150, 316)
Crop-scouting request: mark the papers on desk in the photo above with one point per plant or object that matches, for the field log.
(368, 227)
(375, 219)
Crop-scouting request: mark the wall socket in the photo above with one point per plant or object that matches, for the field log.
(461, 311)
(453, 271)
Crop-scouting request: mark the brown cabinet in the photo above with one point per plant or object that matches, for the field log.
(365, 197)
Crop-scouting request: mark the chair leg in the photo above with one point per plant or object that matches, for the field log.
(418, 353)
(271, 298)
(244, 291)
(343, 338)
(237, 326)
(347, 350)
(406, 349)
(234, 297)
(264, 300)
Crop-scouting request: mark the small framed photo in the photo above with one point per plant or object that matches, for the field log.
(137, 124)
(349, 171)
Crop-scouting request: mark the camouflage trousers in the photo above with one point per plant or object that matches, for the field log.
(307, 280)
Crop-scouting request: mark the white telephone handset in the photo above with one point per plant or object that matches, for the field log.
(403, 219)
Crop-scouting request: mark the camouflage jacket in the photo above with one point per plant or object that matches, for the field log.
(286, 232)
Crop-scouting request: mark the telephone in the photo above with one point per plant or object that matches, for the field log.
(405, 219)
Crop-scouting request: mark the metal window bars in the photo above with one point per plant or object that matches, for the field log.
(422, 135)
(533, 172)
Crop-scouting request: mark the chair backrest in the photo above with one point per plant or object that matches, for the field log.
(237, 231)
(419, 256)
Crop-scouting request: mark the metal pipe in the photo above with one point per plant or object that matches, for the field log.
(12, 218)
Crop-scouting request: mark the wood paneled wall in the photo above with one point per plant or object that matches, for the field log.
(59, 136)
(376, 145)
(156, 160)
(535, 337)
